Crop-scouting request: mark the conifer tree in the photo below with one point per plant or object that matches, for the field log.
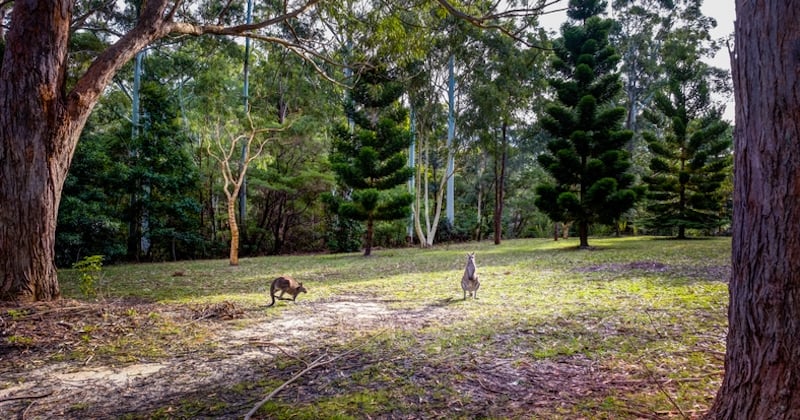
(586, 159)
(692, 155)
(370, 159)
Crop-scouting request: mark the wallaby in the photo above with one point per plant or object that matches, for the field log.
(288, 285)
(469, 281)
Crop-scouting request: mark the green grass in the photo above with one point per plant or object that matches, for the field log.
(622, 330)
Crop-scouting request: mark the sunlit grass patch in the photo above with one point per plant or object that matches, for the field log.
(632, 327)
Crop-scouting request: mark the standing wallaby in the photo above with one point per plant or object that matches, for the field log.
(469, 281)
(288, 285)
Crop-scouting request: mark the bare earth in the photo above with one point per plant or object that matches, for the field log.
(55, 362)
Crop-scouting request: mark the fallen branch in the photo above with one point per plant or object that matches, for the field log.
(285, 353)
(25, 397)
(319, 361)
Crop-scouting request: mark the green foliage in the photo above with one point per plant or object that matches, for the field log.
(691, 154)
(591, 182)
(370, 160)
(89, 274)
(341, 234)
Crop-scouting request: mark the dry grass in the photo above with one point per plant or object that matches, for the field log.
(631, 329)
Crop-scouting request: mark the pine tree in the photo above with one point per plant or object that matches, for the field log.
(371, 158)
(692, 155)
(586, 159)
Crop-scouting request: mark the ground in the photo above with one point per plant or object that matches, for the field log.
(34, 389)
(585, 335)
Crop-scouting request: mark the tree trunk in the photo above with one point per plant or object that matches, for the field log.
(234, 254)
(583, 234)
(368, 241)
(39, 129)
(500, 187)
(762, 373)
(36, 144)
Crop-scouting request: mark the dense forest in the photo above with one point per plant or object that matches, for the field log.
(483, 114)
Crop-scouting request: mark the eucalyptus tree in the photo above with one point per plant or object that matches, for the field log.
(586, 159)
(224, 141)
(502, 83)
(691, 151)
(761, 369)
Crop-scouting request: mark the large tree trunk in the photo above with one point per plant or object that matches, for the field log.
(762, 373)
(39, 129)
(36, 145)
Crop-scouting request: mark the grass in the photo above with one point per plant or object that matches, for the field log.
(633, 328)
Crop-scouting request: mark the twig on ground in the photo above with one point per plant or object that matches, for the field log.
(664, 391)
(267, 343)
(25, 397)
(319, 361)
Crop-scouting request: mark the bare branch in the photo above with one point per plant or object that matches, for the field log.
(488, 21)
(80, 20)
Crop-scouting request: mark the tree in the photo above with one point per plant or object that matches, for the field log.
(43, 117)
(370, 159)
(761, 369)
(224, 146)
(691, 158)
(503, 82)
(586, 159)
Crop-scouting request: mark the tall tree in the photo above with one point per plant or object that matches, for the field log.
(691, 157)
(503, 83)
(586, 159)
(224, 145)
(370, 159)
(761, 369)
(43, 117)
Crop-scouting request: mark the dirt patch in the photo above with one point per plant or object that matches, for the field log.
(33, 386)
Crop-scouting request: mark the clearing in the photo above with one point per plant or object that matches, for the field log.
(632, 329)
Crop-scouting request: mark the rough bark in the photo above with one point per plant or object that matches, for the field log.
(762, 373)
(39, 129)
(35, 145)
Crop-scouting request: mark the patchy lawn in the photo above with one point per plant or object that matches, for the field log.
(634, 328)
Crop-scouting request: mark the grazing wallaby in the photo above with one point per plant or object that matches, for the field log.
(288, 285)
(469, 281)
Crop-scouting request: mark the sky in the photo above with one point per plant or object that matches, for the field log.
(724, 11)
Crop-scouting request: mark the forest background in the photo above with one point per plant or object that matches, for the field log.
(146, 185)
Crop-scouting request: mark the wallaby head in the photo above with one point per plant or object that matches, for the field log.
(470, 270)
